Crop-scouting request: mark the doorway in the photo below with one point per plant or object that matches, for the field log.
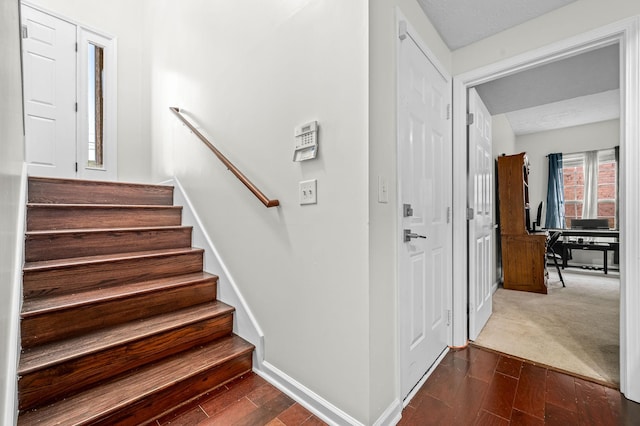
(70, 98)
(626, 34)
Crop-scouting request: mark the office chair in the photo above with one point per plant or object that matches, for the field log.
(553, 238)
(538, 221)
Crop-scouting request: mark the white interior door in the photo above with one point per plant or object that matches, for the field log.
(49, 60)
(425, 184)
(481, 229)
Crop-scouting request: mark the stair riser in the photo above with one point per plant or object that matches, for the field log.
(94, 275)
(66, 323)
(45, 386)
(64, 245)
(93, 192)
(155, 405)
(43, 217)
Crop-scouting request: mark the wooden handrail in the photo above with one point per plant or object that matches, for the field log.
(263, 198)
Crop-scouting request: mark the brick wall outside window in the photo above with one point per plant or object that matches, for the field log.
(573, 175)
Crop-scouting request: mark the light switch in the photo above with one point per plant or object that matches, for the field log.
(308, 192)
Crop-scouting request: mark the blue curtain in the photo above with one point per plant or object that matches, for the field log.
(555, 193)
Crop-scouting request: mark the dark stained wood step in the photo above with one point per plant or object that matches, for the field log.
(62, 276)
(39, 306)
(54, 370)
(146, 393)
(57, 322)
(48, 245)
(76, 191)
(42, 217)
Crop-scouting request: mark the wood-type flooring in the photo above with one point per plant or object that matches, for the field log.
(471, 386)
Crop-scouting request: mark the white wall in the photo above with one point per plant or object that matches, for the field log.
(383, 238)
(11, 160)
(573, 19)
(122, 19)
(248, 73)
(602, 135)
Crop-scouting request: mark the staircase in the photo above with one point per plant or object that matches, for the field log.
(119, 321)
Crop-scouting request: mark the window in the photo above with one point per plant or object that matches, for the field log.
(605, 187)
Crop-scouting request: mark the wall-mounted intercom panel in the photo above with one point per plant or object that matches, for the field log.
(306, 145)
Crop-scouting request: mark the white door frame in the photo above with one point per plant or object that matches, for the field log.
(626, 33)
(404, 29)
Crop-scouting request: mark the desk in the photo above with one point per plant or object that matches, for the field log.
(603, 240)
(590, 245)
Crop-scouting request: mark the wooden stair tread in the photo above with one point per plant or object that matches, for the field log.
(49, 354)
(41, 305)
(100, 230)
(88, 406)
(70, 262)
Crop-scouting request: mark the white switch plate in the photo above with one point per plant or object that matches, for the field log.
(383, 190)
(308, 192)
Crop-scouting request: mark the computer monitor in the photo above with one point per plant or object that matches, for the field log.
(590, 224)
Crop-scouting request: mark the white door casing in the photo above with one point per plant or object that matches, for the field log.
(480, 193)
(424, 181)
(49, 59)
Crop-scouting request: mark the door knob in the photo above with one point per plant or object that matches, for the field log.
(408, 235)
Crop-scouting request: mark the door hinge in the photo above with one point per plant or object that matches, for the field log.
(470, 119)
(76, 46)
(25, 31)
(449, 317)
(448, 111)
(76, 107)
(448, 214)
(76, 167)
(470, 213)
(402, 30)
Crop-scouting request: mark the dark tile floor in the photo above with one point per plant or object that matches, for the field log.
(471, 386)
(478, 387)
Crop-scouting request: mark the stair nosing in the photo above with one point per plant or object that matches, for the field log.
(85, 350)
(43, 265)
(158, 385)
(106, 206)
(99, 182)
(106, 230)
(112, 293)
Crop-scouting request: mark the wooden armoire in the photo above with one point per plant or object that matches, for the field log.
(523, 253)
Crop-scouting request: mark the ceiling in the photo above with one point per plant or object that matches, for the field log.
(577, 90)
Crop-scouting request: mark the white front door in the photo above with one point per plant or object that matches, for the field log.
(481, 230)
(49, 58)
(424, 260)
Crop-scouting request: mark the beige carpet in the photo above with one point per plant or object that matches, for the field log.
(575, 329)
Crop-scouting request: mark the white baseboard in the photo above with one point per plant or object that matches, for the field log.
(10, 415)
(310, 400)
(244, 323)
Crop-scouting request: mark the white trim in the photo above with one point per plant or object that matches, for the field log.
(244, 323)
(304, 396)
(626, 33)
(403, 29)
(10, 415)
(109, 170)
(67, 19)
